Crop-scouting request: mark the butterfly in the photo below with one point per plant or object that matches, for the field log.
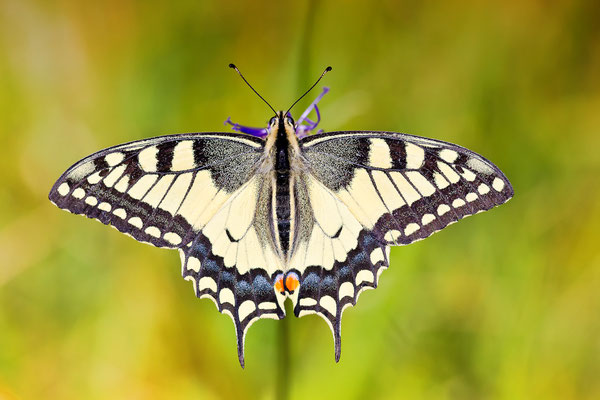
(260, 215)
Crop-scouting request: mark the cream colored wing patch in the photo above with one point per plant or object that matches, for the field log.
(333, 233)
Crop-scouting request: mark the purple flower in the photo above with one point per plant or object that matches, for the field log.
(305, 130)
(304, 126)
(259, 132)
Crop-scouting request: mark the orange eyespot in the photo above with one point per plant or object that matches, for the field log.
(279, 284)
(292, 282)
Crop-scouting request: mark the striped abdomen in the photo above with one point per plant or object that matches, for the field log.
(282, 208)
(282, 188)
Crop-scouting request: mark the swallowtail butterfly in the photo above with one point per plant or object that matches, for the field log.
(261, 215)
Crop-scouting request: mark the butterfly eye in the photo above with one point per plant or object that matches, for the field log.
(272, 121)
(290, 120)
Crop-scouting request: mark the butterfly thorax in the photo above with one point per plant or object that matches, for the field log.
(281, 147)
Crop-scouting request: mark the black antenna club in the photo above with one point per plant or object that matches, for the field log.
(311, 88)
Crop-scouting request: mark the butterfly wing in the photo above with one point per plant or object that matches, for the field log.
(198, 193)
(371, 190)
(160, 190)
(335, 256)
(233, 260)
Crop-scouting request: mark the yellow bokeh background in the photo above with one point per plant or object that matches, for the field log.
(503, 305)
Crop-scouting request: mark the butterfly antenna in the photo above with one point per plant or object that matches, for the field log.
(242, 76)
(311, 88)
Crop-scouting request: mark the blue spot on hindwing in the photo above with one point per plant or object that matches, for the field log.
(262, 287)
(243, 289)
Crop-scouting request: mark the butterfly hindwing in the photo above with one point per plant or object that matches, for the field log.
(245, 297)
(233, 262)
(334, 256)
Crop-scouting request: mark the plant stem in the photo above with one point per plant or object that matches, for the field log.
(283, 370)
(305, 74)
(284, 365)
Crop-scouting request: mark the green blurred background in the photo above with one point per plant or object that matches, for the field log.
(504, 305)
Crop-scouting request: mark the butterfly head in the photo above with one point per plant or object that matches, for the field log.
(282, 125)
(282, 121)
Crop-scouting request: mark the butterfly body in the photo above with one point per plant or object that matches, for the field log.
(257, 220)
(282, 148)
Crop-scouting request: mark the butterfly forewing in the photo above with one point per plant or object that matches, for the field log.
(403, 187)
(158, 190)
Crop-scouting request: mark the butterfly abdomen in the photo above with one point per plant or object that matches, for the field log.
(282, 208)
(282, 188)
